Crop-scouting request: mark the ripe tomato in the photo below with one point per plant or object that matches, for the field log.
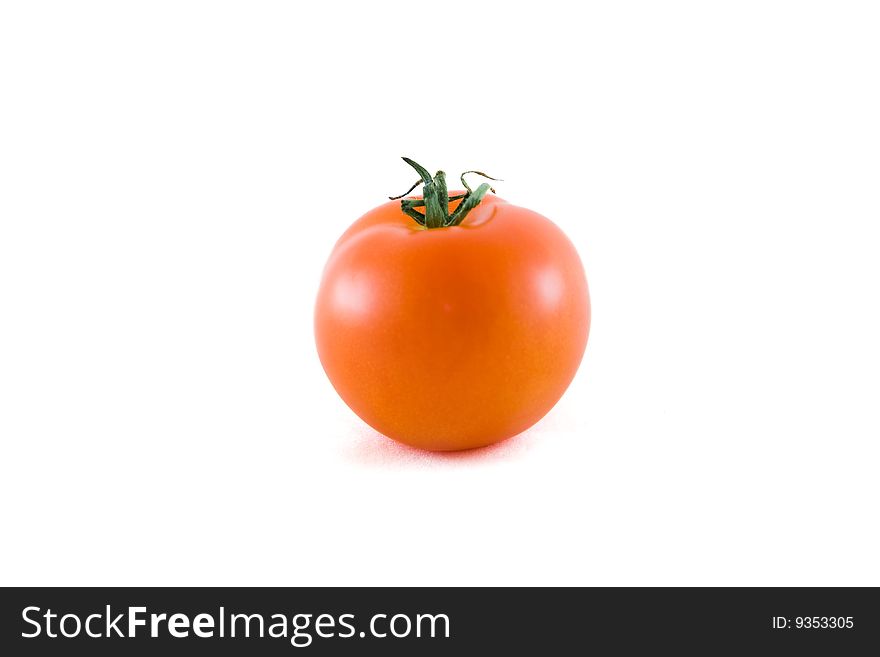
(454, 337)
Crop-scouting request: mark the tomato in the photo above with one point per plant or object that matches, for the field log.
(452, 337)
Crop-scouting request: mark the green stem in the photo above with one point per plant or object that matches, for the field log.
(435, 198)
(468, 187)
(442, 195)
(414, 185)
(434, 214)
(408, 209)
(420, 203)
(469, 203)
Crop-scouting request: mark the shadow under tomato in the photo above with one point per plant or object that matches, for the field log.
(369, 447)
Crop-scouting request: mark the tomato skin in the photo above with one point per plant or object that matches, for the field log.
(452, 338)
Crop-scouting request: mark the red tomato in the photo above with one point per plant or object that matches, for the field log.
(455, 337)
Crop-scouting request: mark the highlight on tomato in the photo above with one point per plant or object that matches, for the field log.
(450, 321)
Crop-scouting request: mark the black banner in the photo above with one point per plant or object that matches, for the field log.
(437, 621)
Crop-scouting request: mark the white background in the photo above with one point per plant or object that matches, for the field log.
(173, 176)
